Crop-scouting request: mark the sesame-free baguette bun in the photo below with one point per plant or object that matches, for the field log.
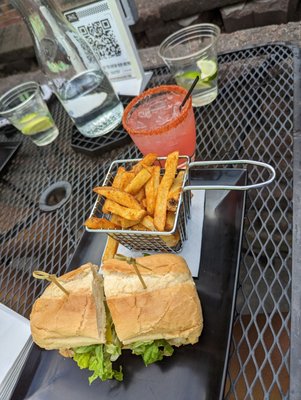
(59, 321)
(168, 309)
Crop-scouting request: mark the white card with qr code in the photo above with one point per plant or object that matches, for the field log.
(102, 25)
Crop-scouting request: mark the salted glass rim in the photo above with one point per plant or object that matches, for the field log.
(166, 127)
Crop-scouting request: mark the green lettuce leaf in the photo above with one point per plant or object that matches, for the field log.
(152, 351)
(113, 350)
(98, 359)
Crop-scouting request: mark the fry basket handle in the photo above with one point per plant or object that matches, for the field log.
(229, 187)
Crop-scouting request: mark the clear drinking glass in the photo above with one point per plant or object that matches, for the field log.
(156, 123)
(25, 108)
(189, 53)
(72, 70)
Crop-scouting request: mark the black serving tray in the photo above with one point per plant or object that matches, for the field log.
(193, 372)
(7, 150)
(9, 131)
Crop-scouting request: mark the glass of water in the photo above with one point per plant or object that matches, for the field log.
(73, 72)
(91, 102)
(191, 52)
(25, 108)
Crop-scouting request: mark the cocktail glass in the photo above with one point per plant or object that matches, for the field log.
(191, 52)
(157, 123)
(25, 108)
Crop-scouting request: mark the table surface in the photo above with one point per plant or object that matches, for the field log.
(254, 117)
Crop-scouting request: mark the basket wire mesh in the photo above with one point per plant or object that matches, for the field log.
(147, 240)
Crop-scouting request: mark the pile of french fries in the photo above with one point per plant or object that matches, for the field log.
(141, 199)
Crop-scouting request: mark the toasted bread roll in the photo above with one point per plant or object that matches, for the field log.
(60, 321)
(168, 309)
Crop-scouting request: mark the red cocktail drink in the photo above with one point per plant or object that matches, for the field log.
(157, 124)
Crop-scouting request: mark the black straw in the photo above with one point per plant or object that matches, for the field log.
(189, 92)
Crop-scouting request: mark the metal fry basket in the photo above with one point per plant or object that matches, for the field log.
(148, 241)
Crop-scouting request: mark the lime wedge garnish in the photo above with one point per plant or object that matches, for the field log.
(187, 78)
(208, 68)
(37, 125)
(27, 117)
(189, 75)
(207, 72)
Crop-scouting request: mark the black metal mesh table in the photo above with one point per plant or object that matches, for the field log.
(254, 117)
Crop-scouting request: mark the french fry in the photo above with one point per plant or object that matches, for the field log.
(164, 187)
(148, 160)
(170, 220)
(177, 184)
(174, 193)
(119, 196)
(157, 180)
(148, 222)
(140, 195)
(150, 169)
(139, 227)
(127, 177)
(171, 240)
(99, 223)
(138, 182)
(122, 222)
(118, 178)
(143, 203)
(172, 205)
(151, 189)
(117, 182)
(116, 220)
(149, 194)
(105, 208)
(127, 213)
(110, 250)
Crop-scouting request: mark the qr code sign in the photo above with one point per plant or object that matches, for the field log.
(101, 38)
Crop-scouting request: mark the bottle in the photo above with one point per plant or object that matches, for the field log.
(73, 72)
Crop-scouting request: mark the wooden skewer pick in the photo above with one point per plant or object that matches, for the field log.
(50, 278)
(132, 261)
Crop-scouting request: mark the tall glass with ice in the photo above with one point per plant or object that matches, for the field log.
(157, 123)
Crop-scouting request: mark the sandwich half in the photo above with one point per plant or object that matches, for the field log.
(168, 312)
(76, 324)
(59, 321)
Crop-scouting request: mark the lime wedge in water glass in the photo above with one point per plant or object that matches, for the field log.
(28, 117)
(186, 78)
(207, 72)
(208, 69)
(35, 124)
(191, 75)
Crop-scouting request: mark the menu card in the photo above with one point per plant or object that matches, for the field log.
(103, 26)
